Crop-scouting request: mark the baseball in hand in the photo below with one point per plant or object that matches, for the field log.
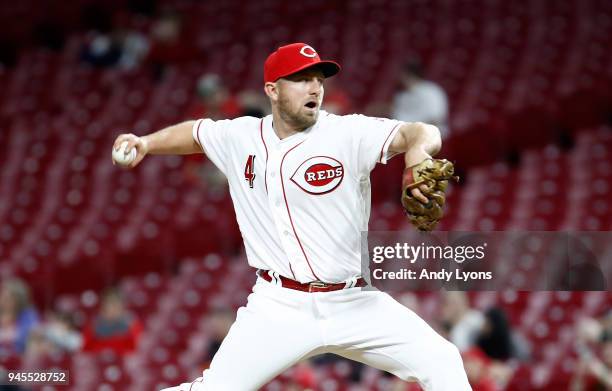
(121, 157)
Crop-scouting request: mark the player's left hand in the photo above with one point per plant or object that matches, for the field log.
(424, 192)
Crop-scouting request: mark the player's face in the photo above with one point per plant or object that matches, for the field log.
(300, 96)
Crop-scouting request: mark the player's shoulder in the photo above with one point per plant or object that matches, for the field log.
(245, 123)
(240, 125)
(332, 119)
(354, 119)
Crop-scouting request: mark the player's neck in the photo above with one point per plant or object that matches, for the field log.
(284, 129)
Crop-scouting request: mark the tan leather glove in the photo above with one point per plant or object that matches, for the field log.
(434, 174)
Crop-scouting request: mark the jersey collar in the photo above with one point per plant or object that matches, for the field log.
(298, 137)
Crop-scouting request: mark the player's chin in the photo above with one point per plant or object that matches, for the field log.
(310, 112)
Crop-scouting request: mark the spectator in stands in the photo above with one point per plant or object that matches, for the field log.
(477, 366)
(214, 101)
(62, 333)
(461, 323)
(337, 100)
(221, 319)
(303, 378)
(101, 50)
(17, 315)
(170, 43)
(57, 335)
(420, 99)
(38, 349)
(253, 104)
(499, 343)
(113, 328)
(495, 338)
(135, 48)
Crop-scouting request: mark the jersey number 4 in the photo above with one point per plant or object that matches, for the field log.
(249, 175)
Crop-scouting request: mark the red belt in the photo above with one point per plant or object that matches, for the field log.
(315, 286)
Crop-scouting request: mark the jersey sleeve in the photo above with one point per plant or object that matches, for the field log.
(373, 137)
(213, 138)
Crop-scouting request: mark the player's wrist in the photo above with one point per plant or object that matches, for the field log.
(431, 139)
(145, 144)
(416, 156)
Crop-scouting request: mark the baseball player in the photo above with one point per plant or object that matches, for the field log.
(299, 181)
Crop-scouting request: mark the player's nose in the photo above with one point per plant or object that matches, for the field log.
(315, 86)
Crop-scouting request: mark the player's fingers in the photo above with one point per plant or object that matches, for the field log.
(416, 193)
(133, 142)
(121, 138)
(137, 160)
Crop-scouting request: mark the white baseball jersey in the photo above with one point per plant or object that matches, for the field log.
(301, 202)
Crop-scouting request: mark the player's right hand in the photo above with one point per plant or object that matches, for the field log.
(133, 141)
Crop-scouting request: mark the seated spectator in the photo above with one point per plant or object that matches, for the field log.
(114, 328)
(253, 104)
(135, 48)
(61, 331)
(476, 365)
(461, 323)
(169, 41)
(336, 99)
(38, 349)
(303, 378)
(420, 99)
(495, 339)
(221, 319)
(101, 50)
(17, 316)
(213, 100)
(498, 341)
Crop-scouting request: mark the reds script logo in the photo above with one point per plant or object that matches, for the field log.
(318, 175)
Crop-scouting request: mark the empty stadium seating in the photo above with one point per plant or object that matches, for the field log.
(519, 75)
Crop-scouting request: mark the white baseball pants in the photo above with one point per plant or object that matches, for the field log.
(279, 327)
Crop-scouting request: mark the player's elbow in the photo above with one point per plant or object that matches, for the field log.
(417, 135)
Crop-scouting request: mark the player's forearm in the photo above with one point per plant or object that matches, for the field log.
(421, 141)
(173, 140)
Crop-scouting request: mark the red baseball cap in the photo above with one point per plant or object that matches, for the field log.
(289, 59)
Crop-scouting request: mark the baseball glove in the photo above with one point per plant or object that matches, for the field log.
(435, 174)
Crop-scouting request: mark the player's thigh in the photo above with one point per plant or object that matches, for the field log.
(386, 335)
(270, 334)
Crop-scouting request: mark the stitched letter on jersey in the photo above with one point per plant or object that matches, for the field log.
(318, 175)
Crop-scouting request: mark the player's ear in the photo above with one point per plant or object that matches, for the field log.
(271, 90)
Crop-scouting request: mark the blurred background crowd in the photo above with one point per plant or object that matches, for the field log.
(130, 279)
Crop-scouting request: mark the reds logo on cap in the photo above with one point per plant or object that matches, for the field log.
(319, 175)
(308, 51)
(295, 57)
